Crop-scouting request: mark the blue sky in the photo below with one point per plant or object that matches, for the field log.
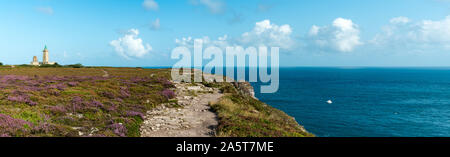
(309, 32)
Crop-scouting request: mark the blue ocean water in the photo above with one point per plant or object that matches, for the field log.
(367, 102)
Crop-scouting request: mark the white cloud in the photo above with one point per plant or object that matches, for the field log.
(433, 31)
(185, 41)
(400, 20)
(45, 10)
(214, 6)
(156, 24)
(420, 35)
(221, 42)
(150, 5)
(269, 34)
(264, 33)
(314, 30)
(342, 35)
(130, 45)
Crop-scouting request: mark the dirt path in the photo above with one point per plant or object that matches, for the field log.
(105, 73)
(192, 119)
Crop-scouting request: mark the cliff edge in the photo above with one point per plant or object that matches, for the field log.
(241, 114)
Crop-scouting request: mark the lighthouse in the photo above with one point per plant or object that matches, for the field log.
(45, 56)
(45, 59)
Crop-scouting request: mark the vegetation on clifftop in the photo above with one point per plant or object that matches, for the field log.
(78, 101)
(241, 115)
(111, 102)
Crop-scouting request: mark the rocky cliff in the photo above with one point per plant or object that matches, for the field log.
(245, 88)
(240, 114)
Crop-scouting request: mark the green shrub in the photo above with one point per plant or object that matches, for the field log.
(25, 65)
(56, 65)
(74, 66)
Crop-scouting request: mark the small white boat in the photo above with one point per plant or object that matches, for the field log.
(329, 102)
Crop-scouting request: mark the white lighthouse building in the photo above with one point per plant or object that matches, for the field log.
(45, 59)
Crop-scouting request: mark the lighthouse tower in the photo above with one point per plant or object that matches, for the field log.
(45, 59)
(45, 56)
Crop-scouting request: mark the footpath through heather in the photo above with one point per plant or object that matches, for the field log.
(192, 118)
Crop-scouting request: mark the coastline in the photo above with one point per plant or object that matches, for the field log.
(240, 101)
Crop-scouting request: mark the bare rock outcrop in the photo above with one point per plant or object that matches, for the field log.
(245, 88)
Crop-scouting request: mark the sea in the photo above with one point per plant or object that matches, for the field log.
(365, 102)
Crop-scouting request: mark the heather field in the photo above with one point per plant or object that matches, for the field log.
(92, 102)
